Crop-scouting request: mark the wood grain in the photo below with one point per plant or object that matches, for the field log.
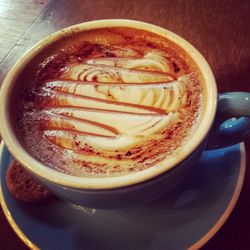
(219, 29)
(16, 16)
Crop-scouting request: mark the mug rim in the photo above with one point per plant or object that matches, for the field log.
(54, 176)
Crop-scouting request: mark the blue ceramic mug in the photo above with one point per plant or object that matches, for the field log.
(215, 129)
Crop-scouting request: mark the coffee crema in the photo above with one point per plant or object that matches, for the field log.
(109, 102)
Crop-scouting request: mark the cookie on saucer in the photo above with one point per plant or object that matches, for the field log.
(23, 186)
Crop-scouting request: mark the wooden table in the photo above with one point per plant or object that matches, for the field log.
(220, 29)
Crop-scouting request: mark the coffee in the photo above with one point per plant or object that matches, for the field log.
(108, 102)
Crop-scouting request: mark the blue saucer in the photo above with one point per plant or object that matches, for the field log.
(185, 218)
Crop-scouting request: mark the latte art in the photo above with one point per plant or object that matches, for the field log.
(152, 60)
(115, 70)
(114, 111)
(110, 114)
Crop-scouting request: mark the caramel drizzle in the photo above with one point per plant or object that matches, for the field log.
(55, 130)
(56, 107)
(143, 107)
(115, 73)
(56, 83)
(71, 118)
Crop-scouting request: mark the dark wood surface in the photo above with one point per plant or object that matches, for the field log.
(219, 29)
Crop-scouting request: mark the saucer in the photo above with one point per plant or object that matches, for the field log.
(185, 218)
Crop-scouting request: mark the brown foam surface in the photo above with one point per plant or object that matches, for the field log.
(109, 102)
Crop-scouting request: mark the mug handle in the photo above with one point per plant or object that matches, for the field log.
(232, 120)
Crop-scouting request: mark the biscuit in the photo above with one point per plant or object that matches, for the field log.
(23, 186)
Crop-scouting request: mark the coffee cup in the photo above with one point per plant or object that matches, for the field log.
(215, 127)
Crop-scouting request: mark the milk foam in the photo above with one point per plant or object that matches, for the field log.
(131, 103)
